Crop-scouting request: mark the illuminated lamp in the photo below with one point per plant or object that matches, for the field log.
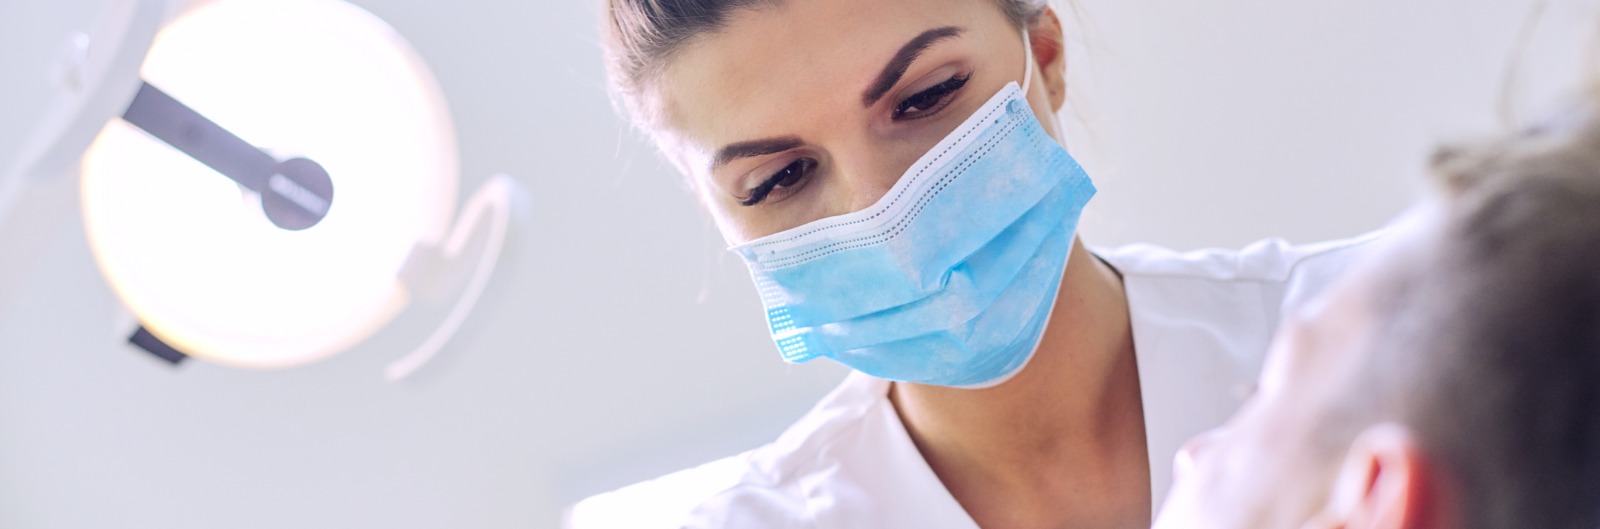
(278, 185)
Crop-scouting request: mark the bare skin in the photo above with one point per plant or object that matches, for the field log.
(1063, 443)
(785, 94)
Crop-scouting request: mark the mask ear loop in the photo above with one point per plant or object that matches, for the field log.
(1027, 64)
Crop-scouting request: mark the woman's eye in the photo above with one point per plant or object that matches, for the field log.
(926, 102)
(786, 178)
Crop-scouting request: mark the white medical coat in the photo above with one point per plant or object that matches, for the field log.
(1201, 326)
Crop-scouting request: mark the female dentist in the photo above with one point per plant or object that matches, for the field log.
(892, 174)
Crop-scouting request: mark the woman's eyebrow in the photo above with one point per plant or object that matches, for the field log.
(902, 60)
(747, 149)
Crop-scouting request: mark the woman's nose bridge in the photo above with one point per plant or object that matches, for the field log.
(865, 191)
(864, 175)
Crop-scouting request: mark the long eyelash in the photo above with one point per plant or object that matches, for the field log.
(760, 193)
(937, 91)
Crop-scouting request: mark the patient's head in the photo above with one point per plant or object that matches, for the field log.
(1451, 380)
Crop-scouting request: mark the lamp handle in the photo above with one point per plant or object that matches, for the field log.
(491, 203)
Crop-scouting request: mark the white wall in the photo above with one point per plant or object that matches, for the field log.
(1216, 123)
(621, 342)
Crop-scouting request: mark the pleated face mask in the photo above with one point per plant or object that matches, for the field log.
(949, 279)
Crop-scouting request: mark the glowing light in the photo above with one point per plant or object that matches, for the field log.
(195, 259)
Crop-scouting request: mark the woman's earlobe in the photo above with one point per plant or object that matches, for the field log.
(1049, 56)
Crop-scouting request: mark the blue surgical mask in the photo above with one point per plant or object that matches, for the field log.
(950, 278)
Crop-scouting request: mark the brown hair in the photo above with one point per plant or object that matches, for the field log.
(640, 37)
(1488, 336)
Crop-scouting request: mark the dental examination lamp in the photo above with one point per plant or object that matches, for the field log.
(263, 183)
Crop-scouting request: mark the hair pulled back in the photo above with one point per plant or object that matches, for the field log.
(641, 36)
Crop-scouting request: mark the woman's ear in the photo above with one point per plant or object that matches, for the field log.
(1049, 54)
(1384, 483)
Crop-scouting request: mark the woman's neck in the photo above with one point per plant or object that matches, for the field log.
(1061, 441)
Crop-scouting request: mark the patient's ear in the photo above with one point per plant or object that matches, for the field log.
(1385, 483)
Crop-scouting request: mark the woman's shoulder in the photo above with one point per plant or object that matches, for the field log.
(1227, 285)
(849, 439)
(1267, 260)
